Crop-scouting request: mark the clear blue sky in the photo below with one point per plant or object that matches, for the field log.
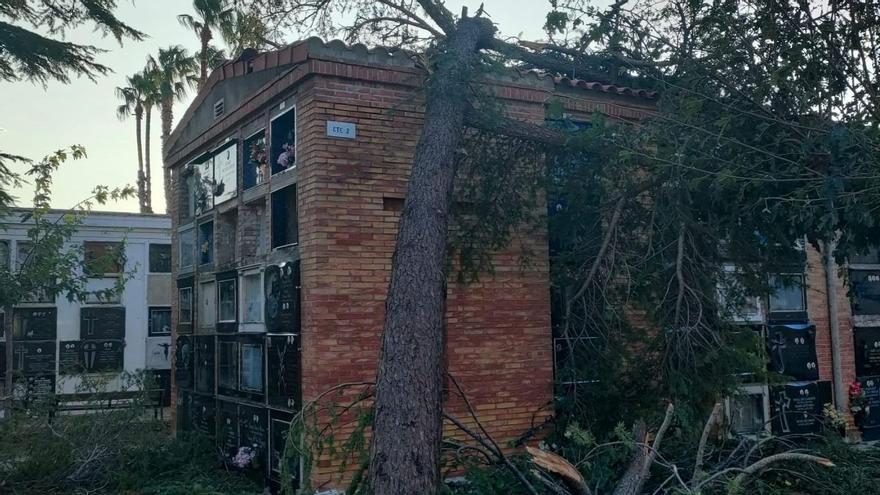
(35, 120)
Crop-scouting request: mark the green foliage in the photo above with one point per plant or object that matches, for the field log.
(25, 54)
(108, 452)
(53, 266)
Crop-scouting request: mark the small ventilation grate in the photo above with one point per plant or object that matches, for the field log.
(218, 109)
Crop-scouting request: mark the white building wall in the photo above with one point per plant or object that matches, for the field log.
(137, 232)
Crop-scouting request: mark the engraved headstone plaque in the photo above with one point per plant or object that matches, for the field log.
(797, 407)
(792, 350)
(36, 323)
(204, 364)
(865, 291)
(253, 424)
(202, 411)
(283, 298)
(283, 364)
(102, 356)
(183, 362)
(867, 351)
(870, 423)
(102, 323)
(227, 427)
(33, 358)
(70, 357)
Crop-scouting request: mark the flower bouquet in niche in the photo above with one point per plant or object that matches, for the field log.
(259, 159)
(858, 402)
(287, 158)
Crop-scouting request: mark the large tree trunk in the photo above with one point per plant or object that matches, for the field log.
(148, 185)
(407, 428)
(167, 117)
(138, 119)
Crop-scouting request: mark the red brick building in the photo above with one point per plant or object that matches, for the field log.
(289, 173)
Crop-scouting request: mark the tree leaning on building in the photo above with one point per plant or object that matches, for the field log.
(704, 134)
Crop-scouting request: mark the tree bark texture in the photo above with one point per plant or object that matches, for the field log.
(167, 117)
(138, 124)
(205, 38)
(407, 427)
(148, 185)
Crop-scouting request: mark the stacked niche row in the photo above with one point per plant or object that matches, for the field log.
(235, 425)
(865, 300)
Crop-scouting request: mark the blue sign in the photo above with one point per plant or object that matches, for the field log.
(344, 130)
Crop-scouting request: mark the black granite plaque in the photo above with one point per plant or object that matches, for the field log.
(253, 427)
(203, 413)
(865, 292)
(870, 423)
(101, 356)
(161, 380)
(34, 388)
(183, 362)
(102, 323)
(36, 323)
(279, 427)
(796, 408)
(283, 298)
(867, 350)
(204, 360)
(284, 383)
(2, 359)
(184, 411)
(227, 427)
(792, 350)
(33, 358)
(70, 358)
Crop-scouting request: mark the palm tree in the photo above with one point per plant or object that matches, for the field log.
(214, 58)
(245, 30)
(133, 99)
(172, 71)
(210, 14)
(152, 99)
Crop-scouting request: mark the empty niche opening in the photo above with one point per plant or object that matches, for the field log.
(285, 230)
(226, 230)
(392, 204)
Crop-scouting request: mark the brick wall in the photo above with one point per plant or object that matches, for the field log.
(817, 308)
(498, 330)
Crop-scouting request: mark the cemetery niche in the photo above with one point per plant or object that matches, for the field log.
(227, 427)
(253, 428)
(792, 350)
(183, 362)
(282, 289)
(867, 350)
(796, 408)
(70, 361)
(204, 364)
(35, 323)
(865, 292)
(203, 414)
(33, 388)
(279, 427)
(33, 358)
(102, 356)
(283, 362)
(869, 422)
(102, 323)
(225, 183)
(184, 411)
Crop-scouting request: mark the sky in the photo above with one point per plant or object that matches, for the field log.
(35, 121)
